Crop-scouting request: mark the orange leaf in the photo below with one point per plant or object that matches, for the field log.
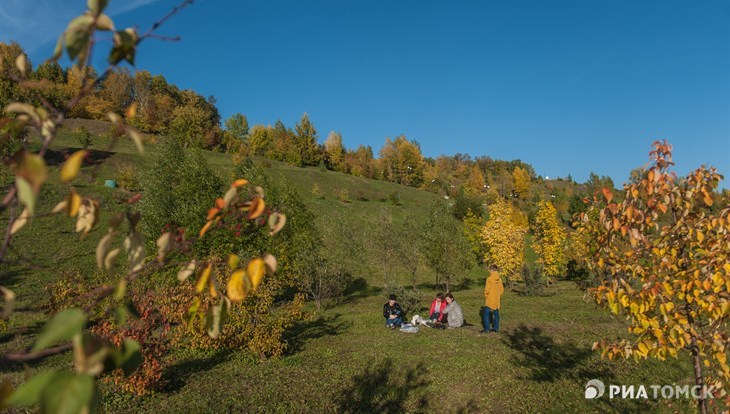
(256, 208)
(212, 213)
(220, 203)
(239, 182)
(205, 228)
(608, 194)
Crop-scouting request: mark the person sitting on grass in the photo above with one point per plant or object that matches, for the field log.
(453, 313)
(393, 313)
(438, 305)
(493, 290)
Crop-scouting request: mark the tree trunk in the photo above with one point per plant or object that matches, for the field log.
(699, 380)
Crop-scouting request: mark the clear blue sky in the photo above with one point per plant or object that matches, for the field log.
(568, 86)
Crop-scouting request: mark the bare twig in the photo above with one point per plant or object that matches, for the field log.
(26, 355)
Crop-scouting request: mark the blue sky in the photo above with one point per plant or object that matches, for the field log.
(568, 86)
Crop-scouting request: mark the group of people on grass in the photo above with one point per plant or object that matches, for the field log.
(446, 312)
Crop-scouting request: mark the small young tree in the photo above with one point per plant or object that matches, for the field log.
(548, 241)
(662, 257)
(443, 244)
(473, 231)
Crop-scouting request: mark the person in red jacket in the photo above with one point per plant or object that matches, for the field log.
(436, 314)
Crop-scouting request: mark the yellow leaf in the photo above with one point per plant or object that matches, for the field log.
(255, 270)
(700, 236)
(71, 167)
(643, 349)
(233, 261)
(203, 279)
(236, 290)
(62, 206)
(73, 203)
(20, 221)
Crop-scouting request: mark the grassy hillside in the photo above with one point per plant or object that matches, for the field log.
(343, 359)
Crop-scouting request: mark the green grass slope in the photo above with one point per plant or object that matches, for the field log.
(343, 359)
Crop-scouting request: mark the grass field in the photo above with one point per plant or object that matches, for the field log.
(343, 359)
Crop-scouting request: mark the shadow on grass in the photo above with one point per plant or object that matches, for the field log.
(548, 360)
(386, 388)
(303, 332)
(94, 157)
(359, 289)
(176, 376)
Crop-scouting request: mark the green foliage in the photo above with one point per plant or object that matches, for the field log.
(237, 126)
(179, 189)
(409, 298)
(126, 176)
(84, 137)
(534, 280)
(343, 195)
(464, 202)
(394, 198)
(317, 192)
(473, 225)
(189, 126)
(443, 244)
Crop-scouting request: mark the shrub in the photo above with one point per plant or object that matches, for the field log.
(84, 137)
(343, 195)
(126, 176)
(534, 280)
(394, 198)
(317, 192)
(151, 330)
(408, 298)
(179, 189)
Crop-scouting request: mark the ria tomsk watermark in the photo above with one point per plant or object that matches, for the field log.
(595, 389)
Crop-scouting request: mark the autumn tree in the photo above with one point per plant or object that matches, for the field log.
(189, 126)
(504, 240)
(306, 136)
(661, 258)
(402, 161)
(71, 386)
(335, 150)
(548, 240)
(521, 179)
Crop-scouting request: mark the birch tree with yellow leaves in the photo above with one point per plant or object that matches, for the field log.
(548, 240)
(504, 240)
(662, 256)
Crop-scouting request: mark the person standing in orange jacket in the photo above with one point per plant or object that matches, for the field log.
(493, 290)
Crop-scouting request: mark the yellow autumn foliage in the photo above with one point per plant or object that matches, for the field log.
(504, 240)
(549, 240)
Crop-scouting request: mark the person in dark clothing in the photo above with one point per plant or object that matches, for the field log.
(393, 313)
